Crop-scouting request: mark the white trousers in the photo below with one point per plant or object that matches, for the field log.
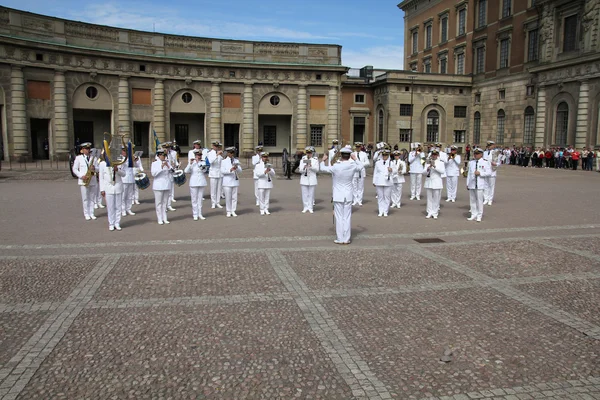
(256, 191)
(358, 189)
(196, 193)
(172, 194)
(136, 192)
(397, 194)
(161, 199)
(433, 201)
(88, 198)
(384, 197)
(416, 182)
(488, 194)
(451, 186)
(127, 196)
(97, 196)
(231, 196)
(308, 196)
(215, 190)
(343, 220)
(264, 195)
(476, 202)
(113, 208)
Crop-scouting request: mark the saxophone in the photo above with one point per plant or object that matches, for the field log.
(89, 174)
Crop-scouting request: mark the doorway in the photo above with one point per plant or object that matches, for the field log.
(359, 129)
(39, 138)
(141, 133)
(232, 136)
(90, 125)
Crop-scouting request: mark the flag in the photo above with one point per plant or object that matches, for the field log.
(156, 141)
(129, 154)
(106, 153)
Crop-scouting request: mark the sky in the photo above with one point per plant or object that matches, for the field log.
(369, 31)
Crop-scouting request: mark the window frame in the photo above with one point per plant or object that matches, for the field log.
(269, 142)
(313, 142)
(565, 123)
(460, 111)
(563, 33)
(404, 107)
(360, 102)
(428, 36)
(500, 126)
(462, 137)
(476, 127)
(462, 10)
(459, 64)
(444, 30)
(414, 35)
(506, 9)
(401, 134)
(479, 66)
(482, 20)
(432, 135)
(533, 33)
(501, 40)
(529, 125)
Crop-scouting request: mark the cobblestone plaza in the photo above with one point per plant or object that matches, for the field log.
(269, 307)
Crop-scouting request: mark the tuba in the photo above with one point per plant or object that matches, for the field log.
(112, 149)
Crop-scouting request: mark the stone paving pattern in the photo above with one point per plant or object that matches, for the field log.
(268, 307)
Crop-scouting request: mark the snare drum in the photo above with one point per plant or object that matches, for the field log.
(142, 181)
(179, 177)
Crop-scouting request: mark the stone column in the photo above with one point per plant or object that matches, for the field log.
(248, 139)
(60, 143)
(158, 123)
(332, 116)
(302, 139)
(215, 112)
(19, 113)
(583, 106)
(124, 120)
(540, 120)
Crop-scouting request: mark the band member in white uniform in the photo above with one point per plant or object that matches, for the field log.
(215, 156)
(137, 168)
(342, 174)
(334, 149)
(477, 183)
(266, 174)
(192, 153)
(128, 185)
(415, 158)
(382, 179)
(172, 157)
(161, 185)
(398, 172)
(230, 168)
(111, 188)
(452, 173)
(82, 164)
(434, 170)
(197, 170)
(358, 182)
(493, 156)
(255, 160)
(309, 166)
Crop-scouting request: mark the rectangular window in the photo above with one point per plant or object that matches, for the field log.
(427, 67)
(444, 28)
(480, 60)
(477, 98)
(462, 21)
(532, 46)
(141, 97)
(415, 44)
(530, 91)
(459, 136)
(270, 136)
(413, 66)
(316, 135)
(504, 43)
(232, 100)
(502, 94)
(359, 129)
(506, 8)
(182, 134)
(477, 128)
(359, 98)
(481, 13)
(317, 103)
(38, 90)
(500, 135)
(405, 110)
(443, 65)
(405, 136)
(460, 64)
(570, 33)
(529, 127)
(460, 112)
(428, 32)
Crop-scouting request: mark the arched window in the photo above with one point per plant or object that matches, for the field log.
(380, 126)
(562, 123)
(477, 128)
(501, 122)
(529, 125)
(433, 126)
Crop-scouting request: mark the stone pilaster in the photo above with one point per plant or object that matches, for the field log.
(19, 113)
(59, 143)
(248, 139)
(158, 123)
(215, 112)
(302, 139)
(540, 119)
(332, 115)
(581, 131)
(124, 120)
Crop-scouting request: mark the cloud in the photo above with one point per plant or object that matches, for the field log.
(380, 57)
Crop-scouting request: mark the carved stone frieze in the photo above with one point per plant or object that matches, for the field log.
(4, 17)
(137, 38)
(91, 32)
(179, 42)
(232, 48)
(576, 72)
(38, 24)
(317, 52)
(277, 49)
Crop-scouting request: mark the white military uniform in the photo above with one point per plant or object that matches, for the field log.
(137, 168)
(128, 188)
(358, 182)
(342, 173)
(197, 183)
(382, 179)
(434, 185)
(331, 154)
(161, 185)
(255, 160)
(488, 194)
(230, 185)
(112, 185)
(216, 180)
(477, 185)
(88, 194)
(265, 184)
(416, 174)
(398, 171)
(172, 158)
(308, 182)
(452, 174)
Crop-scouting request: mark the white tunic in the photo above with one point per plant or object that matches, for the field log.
(228, 175)
(110, 180)
(381, 173)
(215, 164)
(263, 178)
(255, 160)
(342, 173)
(80, 168)
(399, 169)
(453, 166)
(197, 175)
(162, 176)
(414, 160)
(308, 174)
(434, 180)
(478, 182)
(363, 158)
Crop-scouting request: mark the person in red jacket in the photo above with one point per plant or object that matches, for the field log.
(549, 159)
(575, 159)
